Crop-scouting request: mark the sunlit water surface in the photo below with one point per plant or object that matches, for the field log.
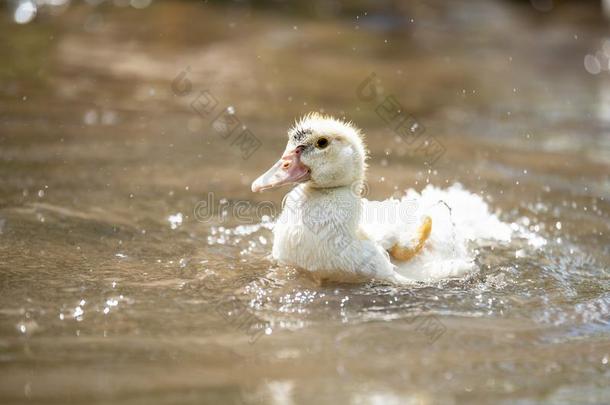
(130, 274)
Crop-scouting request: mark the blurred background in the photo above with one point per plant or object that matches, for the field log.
(131, 129)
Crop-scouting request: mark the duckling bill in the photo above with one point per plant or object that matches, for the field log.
(319, 229)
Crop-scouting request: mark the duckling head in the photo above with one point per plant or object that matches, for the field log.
(322, 151)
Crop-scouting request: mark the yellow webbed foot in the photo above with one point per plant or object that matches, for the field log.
(403, 253)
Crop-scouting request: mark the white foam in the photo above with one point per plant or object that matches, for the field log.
(459, 217)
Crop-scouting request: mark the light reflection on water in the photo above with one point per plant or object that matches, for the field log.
(113, 289)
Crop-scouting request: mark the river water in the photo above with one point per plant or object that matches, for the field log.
(133, 261)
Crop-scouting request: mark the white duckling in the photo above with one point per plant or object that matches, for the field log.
(320, 228)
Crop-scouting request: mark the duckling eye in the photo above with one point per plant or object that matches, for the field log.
(321, 143)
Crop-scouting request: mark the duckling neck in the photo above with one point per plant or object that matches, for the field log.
(326, 208)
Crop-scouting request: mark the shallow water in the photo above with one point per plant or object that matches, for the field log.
(132, 266)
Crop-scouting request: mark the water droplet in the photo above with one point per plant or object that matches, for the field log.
(25, 12)
(592, 65)
(78, 312)
(175, 220)
(109, 118)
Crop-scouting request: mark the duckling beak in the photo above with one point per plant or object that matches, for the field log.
(287, 170)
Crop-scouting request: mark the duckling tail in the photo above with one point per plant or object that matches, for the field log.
(403, 253)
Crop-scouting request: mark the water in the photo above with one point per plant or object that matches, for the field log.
(131, 272)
